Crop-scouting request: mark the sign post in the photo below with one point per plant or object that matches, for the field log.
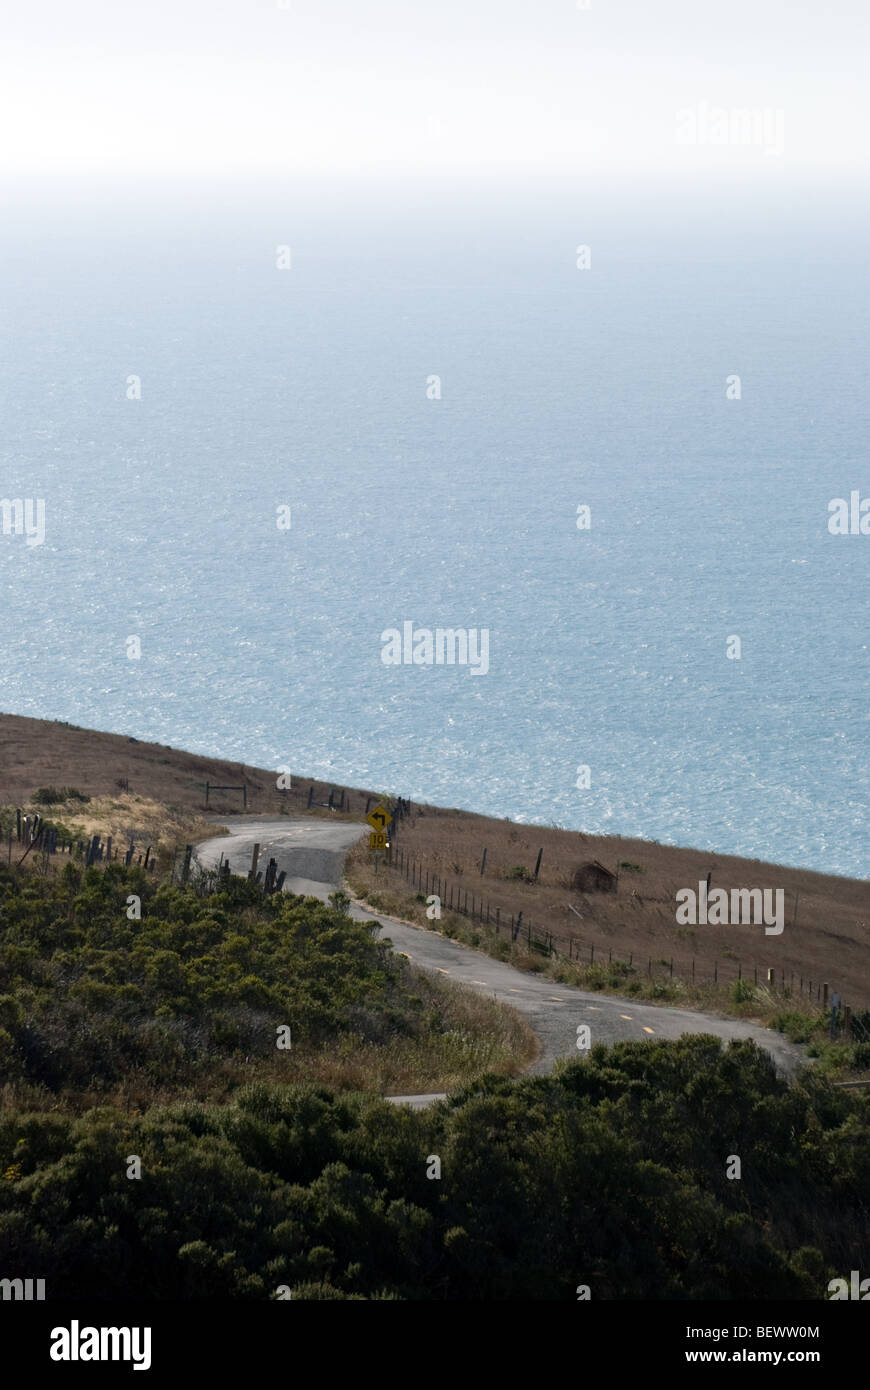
(378, 819)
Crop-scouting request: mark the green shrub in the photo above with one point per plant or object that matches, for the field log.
(797, 1027)
(327, 1194)
(54, 796)
(741, 992)
(48, 796)
(662, 990)
(88, 998)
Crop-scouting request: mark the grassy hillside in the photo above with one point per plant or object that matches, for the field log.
(155, 1141)
(128, 772)
(828, 940)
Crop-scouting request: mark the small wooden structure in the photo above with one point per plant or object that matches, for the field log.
(593, 877)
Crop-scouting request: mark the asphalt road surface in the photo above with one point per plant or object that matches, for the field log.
(312, 853)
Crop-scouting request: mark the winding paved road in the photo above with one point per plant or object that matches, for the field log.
(312, 851)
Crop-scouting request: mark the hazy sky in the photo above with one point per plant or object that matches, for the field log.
(390, 86)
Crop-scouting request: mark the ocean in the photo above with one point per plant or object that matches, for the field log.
(432, 387)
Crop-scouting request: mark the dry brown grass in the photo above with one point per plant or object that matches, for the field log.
(126, 817)
(165, 793)
(41, 752)
(830, 942)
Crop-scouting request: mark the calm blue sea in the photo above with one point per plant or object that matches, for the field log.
(307, 387)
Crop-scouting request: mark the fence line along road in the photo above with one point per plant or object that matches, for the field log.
(477, 909)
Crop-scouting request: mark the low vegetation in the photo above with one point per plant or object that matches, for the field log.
(800, 1020)
(188, 997)
(156, 1142)
(616, 1173)
(56, 796)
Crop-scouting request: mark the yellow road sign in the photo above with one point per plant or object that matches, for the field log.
(379, 818)
(377, 840)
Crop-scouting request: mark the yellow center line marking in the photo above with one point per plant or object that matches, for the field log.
(594, 1007)
(628, 1016)
(441, 971)
(478, 982)
(648, 1030)
(511, 990)
(559, 998)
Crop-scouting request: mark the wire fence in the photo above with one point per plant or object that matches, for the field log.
(476, 908)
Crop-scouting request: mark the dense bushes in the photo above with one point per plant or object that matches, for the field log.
(89, 995)
(56, 796)
(611, 1173)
